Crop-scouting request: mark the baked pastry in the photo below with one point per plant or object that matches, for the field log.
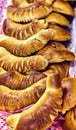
(35, 43)
(15, 80)
(42, 114)
(60, 34)
(29, 46)
(27, 14)
(69, 94)
(23, 31)
(56, 18)
(59, 68)
(63, 7)
(70, 120)
(26, 3)
(22, 3)
(56, 52)
(2, 70)
(21, 64)
(17, 99)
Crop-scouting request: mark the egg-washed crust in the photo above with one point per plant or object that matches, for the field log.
(63, 7)
(27, 14)
(16, 81)
(17, 99)
(23, 31)
(56, 52)
(69, 94)
(26, 3)
(56, 18)
(42, 114)
(36, 42)
(70, 120)
(21, 64)
(59, 68)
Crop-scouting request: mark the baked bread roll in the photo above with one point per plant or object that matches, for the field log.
(59, 68)
(17, 99)
(70, 120)
(69, 94)
(63, 7)
(27, 14)
(23, 31)
(15, 80)
(55, 18)
(55, 52)
(42, 114)
(34, 43)
(21, 64)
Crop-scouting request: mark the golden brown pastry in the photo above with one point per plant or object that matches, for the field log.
(23, 31)
(63, 7)
(2, 70)
(28, 46)
(42, 114)
(69, 94)
(70, 120)
(17, 99)
(56, 52)
(59, 68)
(56, 18)
(27, 14)
(60, 34)
(22, 3)
(15, 80)
(34, 43)
(26, 3)
(21, 64)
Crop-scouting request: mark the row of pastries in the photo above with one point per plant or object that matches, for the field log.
(34, 64)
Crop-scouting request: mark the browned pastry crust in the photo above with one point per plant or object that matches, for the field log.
(28, 13)
(60, 68)
(23, 31)
(22, 3)
(20, 64)
(2, 70)
(34, 43)
(41, 115)
(26, 3)
(70, 120)
(17, 81)
(59, 34)
(63, 7)
(28, 46)
(55, 18)
(17, 99)
(69, 94)
(55, 52)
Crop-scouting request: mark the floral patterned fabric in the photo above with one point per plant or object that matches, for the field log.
(72, 70)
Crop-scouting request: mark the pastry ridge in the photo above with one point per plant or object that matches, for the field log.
(36, 42)
(16, 81)
(56, 52)
(21, 64)
(29, 13)
(47, 106)
(23, 31)
(17, 99)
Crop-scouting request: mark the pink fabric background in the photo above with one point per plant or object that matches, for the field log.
(72, 71)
